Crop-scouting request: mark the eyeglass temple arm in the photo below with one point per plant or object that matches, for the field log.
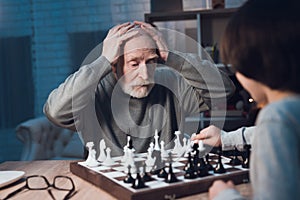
(50, 193)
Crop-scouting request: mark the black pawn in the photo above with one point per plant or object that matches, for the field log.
(171, 177)
(146, 177)
(138, 182)
(219, 169)
(235, 160)
(246, 157)
(128, 178)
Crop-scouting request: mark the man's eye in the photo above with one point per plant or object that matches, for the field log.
(152, 61)
(134, 64)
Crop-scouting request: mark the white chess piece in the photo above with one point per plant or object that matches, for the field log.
(177, 147)
(184, 147)
(201, 147)
(151, 146)
(102, 147)
(128, 140)
(150, 160)
(125, 156)
(108, 161)
(92, 162)
(130, 159)
(89, 146)
(91, 159)
(156, 143)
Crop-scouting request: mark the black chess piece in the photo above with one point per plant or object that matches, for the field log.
(208, 165)
(202, 168)
(138, 182)
(195, 149)
(235, 160)
(162, 173)
(171, 177)
(219, 169)
(128, 178)
(158, 164)
(246, 156)
(145, 176)
(190, 171)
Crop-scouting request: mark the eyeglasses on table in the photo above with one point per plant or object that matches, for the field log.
(39, 182)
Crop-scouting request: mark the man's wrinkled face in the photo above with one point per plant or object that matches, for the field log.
(140, 60)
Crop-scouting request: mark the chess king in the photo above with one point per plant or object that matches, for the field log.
(137, 85)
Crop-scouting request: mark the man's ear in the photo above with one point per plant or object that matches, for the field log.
(114, 70)
(159, 60)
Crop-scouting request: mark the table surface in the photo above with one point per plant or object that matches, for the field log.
(84, 190)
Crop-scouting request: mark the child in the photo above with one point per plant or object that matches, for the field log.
(262, 42)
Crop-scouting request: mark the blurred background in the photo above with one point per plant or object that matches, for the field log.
(44, 41)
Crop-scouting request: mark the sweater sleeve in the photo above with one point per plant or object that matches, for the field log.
(236, 138)
(229, 194)
(75, 94)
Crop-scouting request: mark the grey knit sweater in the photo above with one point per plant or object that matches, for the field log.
(91, 102)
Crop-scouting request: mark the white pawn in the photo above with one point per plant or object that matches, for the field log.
(102, 147)
(125, 156)
(108, 161)
(150, 160)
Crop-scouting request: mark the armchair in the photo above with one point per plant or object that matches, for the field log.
(43, 140)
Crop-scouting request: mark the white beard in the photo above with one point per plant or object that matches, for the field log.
(137, 91)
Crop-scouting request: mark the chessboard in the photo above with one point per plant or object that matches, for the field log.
(111, 178)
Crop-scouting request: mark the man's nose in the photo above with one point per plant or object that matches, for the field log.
(144, 71)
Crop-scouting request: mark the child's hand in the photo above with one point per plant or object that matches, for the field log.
(210, 136)
(218, 186)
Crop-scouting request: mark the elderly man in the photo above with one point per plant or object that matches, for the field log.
(135, 87)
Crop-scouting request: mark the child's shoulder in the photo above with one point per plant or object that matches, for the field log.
(281, 115)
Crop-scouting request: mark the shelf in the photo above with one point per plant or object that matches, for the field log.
(188, 15)
(210, 23)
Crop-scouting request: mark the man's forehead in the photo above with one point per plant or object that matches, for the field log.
(140, 53)
(139, 42)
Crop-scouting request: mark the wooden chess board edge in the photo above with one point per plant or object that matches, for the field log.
(179, 189)
(100, 181)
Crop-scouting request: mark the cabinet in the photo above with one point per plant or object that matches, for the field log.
(210, 27)
(210, 23)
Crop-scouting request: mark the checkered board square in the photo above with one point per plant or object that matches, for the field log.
(110, 179)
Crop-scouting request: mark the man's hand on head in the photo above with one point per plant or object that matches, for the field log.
(114, 39)
(157, 37)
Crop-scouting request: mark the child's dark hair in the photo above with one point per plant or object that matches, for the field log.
(262, 42)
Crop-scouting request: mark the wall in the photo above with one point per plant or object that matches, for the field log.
(50, 23)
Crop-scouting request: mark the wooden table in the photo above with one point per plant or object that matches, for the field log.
(84, 190)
